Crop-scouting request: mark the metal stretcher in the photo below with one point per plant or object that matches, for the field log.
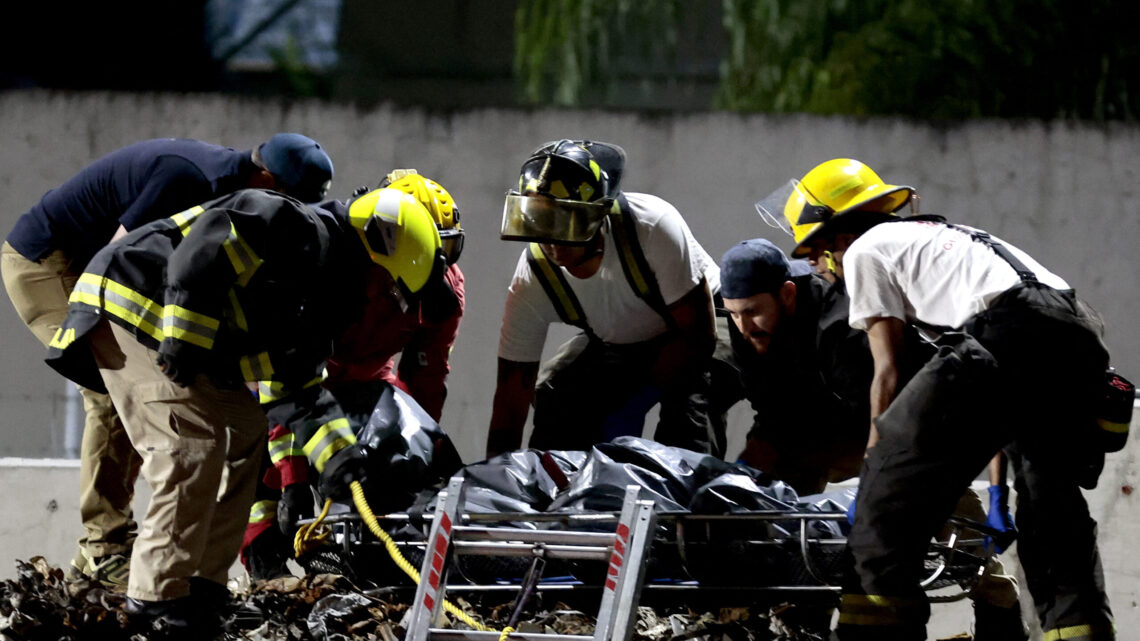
(681, 556)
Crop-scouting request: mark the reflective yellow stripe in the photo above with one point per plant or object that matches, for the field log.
(256, 367)
(555, 282)
(241, 256)
(120, 301)
(1081, 633)
(184, 218)
(262, 511)
(184, 325)
(329, 439)
(238, 312)
(1113, 426)
(283, 447)
(269, 391)
(62, 338)
(628, 258)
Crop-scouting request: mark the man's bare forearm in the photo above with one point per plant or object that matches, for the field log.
(513, 394)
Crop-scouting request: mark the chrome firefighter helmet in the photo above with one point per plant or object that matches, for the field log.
(566, 188)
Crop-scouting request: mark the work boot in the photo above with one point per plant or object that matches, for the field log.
(111, 570)
(994, 623)
(174, 619)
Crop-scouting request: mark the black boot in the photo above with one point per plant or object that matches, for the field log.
(174, 619)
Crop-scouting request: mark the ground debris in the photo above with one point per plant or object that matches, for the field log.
(40, 605)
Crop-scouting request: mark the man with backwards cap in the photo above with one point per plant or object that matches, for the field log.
(807, 374)
(803, 370)
(51, 244)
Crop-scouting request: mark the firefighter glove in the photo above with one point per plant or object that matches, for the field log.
(629, 418)
(1000, 519)
(342, 469)
(181, 366)
(296, 503)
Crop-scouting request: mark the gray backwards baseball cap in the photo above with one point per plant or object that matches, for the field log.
(751, 267)
(300, 166)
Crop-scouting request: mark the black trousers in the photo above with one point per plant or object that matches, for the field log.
(1025, 377)
(587, 380)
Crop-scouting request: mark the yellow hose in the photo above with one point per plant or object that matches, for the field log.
(304, 537)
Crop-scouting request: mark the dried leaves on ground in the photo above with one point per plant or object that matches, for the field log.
(40, 605)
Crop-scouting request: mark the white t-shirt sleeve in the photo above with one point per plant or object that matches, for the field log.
(871, 286)
(526, 316)
(674, 255)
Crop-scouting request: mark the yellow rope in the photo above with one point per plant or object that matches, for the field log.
(307, 535)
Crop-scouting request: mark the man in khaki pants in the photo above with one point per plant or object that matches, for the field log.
(174, 321)
(53, 241)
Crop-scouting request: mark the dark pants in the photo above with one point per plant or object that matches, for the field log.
(587, 380)
(1029, 381)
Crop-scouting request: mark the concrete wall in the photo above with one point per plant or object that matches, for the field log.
(1061, 192)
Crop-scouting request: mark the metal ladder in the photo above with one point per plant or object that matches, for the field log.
(626, 549)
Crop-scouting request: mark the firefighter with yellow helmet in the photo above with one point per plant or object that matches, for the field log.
(421, 328)
(991, 310)
(179, 319)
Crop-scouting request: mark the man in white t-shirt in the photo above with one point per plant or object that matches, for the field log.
(1020, 365)
(626, 270)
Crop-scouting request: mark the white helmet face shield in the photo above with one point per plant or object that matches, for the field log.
(771, 207)
(550, 220)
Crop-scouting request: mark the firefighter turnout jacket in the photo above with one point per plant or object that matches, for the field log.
(240, 289)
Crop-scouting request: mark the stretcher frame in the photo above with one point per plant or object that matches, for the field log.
(953, 566)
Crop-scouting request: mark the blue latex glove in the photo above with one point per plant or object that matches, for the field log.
(851, 508)
(1000, 519)
(629, 419)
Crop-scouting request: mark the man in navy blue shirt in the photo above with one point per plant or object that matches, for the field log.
(51, 244)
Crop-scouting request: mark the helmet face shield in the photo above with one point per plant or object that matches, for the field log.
(551, 220)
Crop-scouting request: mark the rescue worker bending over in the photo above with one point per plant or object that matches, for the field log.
(807, 373)
(51, 244)
(180, 317)
(626, 270)
(422, 329)
(991, 385)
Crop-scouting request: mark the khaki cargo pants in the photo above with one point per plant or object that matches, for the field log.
(108, 464)
(201, 449)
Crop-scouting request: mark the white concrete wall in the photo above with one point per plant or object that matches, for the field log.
(1062, 192)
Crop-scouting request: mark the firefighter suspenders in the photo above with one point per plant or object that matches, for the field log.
(637, 271)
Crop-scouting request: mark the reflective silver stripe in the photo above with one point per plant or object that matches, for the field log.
(191, 327)
(121, 301)
(283, 447)
(256, 367)
(241, 256)
(329, 439)
(262, 511)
